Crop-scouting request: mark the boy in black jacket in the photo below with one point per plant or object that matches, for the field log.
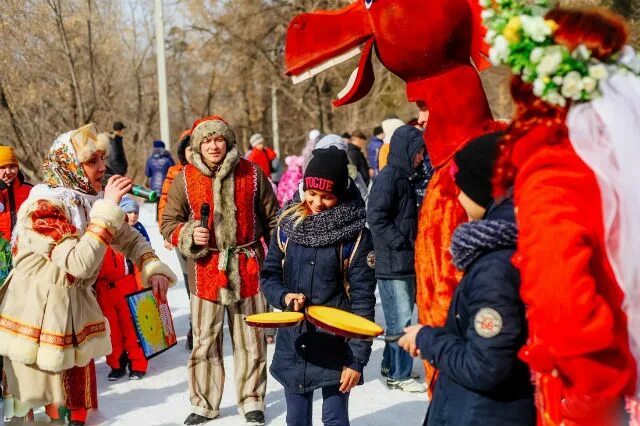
(481, 379)
(392, 214)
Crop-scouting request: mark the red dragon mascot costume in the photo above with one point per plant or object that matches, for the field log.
(433, 46)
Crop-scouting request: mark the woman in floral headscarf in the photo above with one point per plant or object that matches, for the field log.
(51, 326)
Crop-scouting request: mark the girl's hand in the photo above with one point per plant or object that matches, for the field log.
(298, 301)
(348, 379)
(168, 245)
(160, 285)
(117, 187)
(408, 341)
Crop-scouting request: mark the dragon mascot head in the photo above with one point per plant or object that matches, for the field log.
(436, 47)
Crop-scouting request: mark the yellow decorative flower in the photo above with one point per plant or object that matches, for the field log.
(512, 29)
(553, 25)
(150, 322)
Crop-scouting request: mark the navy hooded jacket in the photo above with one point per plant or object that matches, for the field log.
(482, 381)
(392, 212)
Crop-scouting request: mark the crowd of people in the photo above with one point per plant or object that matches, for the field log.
(539, 328)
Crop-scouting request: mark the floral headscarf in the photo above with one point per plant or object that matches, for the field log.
(63, 166)
(63, 176)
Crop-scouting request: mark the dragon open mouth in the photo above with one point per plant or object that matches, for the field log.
(321, 40)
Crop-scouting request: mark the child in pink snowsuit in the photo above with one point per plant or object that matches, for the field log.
(290, 179)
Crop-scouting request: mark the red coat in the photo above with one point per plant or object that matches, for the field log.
(576, 322)
(12, 198)
(263, 159)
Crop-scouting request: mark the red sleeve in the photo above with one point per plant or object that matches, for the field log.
(271, 154)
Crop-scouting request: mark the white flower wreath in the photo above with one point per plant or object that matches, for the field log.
(522, 39)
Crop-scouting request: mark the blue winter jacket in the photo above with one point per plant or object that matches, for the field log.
(482, 381)
(307, 358)
(373, 150)
(392, 212)
(156, 168)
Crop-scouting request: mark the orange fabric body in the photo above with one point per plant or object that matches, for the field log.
(574, 304)
(164, 194)
(111, 290)
(440, 214)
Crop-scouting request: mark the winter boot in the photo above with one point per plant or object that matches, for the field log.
(136, 375)
(254, 418)
(116, 373)
(196, 419)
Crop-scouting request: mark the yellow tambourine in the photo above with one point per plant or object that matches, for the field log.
(343, 323)
(274, 319)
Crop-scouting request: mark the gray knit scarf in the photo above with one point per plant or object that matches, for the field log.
(473, 239)
(340, 223)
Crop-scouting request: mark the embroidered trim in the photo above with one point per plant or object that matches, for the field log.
(101, 233)
(67, 340)
(148, 257)
(48, 338)
(16, 327)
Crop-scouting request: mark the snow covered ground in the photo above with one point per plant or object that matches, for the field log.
(161, 398)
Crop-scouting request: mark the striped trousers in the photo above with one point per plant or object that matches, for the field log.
(206, 366)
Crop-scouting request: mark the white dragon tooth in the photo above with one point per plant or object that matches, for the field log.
(350, 83)
(326, 65)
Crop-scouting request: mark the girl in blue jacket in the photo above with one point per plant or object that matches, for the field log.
(481, 381)
(321, 254)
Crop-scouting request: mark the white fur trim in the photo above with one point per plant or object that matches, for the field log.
(109, 213)
(155, 267)
(52, 358)
(101, 143)
(185, 241)
(19, 349)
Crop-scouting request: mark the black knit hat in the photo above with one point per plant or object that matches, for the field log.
(472, 169)
(327, 171)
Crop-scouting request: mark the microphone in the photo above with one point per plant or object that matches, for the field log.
(137, 190)
(205, 210)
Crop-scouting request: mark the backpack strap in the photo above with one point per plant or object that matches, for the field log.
(283, 240)
(348, 251)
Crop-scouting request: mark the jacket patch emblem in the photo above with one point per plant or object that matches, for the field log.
(371, 259)
(488, 323)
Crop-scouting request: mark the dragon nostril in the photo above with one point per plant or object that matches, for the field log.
(368, 3)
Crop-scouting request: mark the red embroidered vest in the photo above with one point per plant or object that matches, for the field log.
(199, 188)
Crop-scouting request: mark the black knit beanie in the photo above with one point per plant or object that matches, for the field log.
(327, 171)
(472, 169)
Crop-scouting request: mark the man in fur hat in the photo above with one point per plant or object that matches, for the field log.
(224, 262)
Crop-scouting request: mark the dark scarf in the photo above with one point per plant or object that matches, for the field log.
(339, 223)
(471, 240)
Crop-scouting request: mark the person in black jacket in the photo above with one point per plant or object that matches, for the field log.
(117, 159)
(481, 379)
(392, 214)
(357, 143)
(304, 266)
